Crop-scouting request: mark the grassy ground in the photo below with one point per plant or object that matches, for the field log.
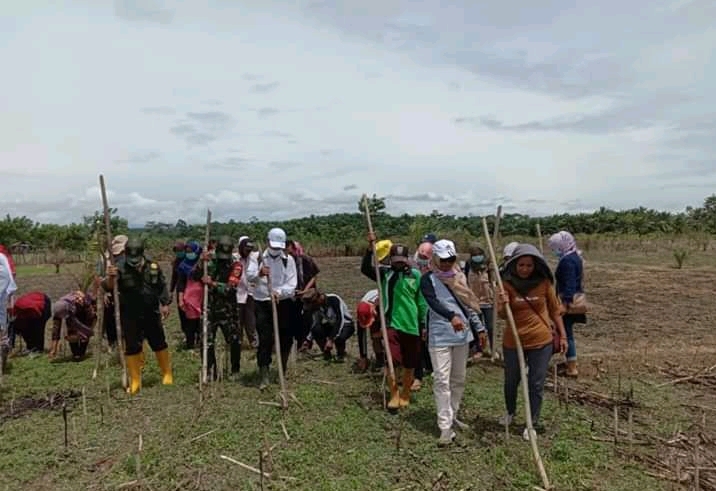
(340, 438)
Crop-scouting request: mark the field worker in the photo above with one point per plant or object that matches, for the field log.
(479, 278)
(507, 253)
(144, 305)
(8, 257)
(332, 322)
(108, 320)
(422, 261)
(530, 293)
(405, 310)
(452, 315)
(369, 326)
(280, 267)
(7, 290)
(223, 278)
(190, 292)
(423, 257)
(245, 293)
(569, 278)
(306, 275)
(30, 315)
(179, 251)
(77, 311)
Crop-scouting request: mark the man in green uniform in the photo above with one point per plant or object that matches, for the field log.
(224, 276)
(144, 303)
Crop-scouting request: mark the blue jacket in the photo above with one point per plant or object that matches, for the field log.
(442, 307)
(568, 276)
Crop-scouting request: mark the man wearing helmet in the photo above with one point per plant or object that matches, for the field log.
(144, 303)
(224, 276)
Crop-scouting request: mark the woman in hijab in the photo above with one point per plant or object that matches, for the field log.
(190, 292)
(569, 277)
(480, 279)
(529, 292)
(452, 315)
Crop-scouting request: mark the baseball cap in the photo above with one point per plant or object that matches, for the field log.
(399, 254)
(118, 244)
(245, 241)
(277, 238)
(365, 313)
(509, 249)
(382, 249)
(444, 249)
(430, 238)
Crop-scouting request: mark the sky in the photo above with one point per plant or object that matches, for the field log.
(278, 109)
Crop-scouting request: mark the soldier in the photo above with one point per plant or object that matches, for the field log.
(224, 276)
(144, 303)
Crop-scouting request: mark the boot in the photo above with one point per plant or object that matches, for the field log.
(211, 363)
(235, 349)
(165, 366)
(263, 377)
(408, 378)
(394, 402)
(134, 372)
(572, 369)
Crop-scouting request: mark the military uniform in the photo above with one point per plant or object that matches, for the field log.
(142, 289)
(224, 278)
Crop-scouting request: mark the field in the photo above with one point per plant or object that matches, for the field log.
(650, 346)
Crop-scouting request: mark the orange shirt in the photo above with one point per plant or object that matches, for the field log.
(532, 327)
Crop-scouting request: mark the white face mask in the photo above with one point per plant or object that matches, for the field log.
(274, 252)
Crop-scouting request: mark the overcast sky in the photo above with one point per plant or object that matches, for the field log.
(279, 109)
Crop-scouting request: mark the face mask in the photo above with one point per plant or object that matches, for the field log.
(180, 254)
(274, 252)
(134, 262)
(191, 256)
(478, 259)
(557, 253)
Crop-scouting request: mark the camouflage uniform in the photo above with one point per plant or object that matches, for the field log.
(224, 274)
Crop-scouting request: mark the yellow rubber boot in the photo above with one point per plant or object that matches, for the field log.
(134, 372)
(408, 379)
(394, 402)
(165, 366)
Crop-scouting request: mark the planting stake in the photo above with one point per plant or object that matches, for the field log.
(496, 273)
(205, 307)
(277, 345)
(539, 238)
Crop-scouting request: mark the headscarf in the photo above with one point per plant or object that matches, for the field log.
(540, 273)
(563, 243)
(179, 251)
(454, 279)
(186, 266)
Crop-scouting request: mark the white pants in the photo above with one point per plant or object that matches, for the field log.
(449, 368)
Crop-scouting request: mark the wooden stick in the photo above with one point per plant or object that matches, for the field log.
(381, 311)
(277, 344)
(84, 402)
(285, 431)
(539, 238)
(205, 307)
(523, 373)
(115, 290)
(246, 466)
(199, 437)
(495, 272)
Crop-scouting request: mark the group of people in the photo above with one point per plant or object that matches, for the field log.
(439, 314)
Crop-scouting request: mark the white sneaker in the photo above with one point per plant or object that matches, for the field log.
(456, 423)
(446, 438)
(506, 420)
(526, 435)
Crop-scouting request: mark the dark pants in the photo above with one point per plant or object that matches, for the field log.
(487, 315)
(79, 349)
(301, 321)
(227, 323)
(404, 348)
(192, 332)
(537, 361)
(247, 321)
(264, 329)
(136, 329)
(108, 323)
(183, 322)
(425, 365)
(320, 334)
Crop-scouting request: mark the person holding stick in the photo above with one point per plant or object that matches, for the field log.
(145, 303)
(281, 268)
(405, 311)
(480, 279)
(529, 292)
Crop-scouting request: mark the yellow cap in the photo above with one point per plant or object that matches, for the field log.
(382, 249)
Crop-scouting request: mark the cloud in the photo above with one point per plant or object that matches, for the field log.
(266, 112)
(159, 111)
(141, 157)
(350, 187)
(203, 128)
(264, 88)
(143, 10)
(276, 134)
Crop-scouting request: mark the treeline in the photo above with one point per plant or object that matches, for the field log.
(345, 233)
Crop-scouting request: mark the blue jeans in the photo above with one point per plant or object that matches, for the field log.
(538, 361)
(487, 316)
(571, 344)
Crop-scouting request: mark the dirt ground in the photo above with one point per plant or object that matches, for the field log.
(648, 350)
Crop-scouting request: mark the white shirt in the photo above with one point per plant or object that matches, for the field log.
(246, 287)
(283, 279)
(7, 289)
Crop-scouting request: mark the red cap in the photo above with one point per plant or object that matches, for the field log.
(366, 314)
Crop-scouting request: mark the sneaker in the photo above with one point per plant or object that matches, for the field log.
(526, 434)
(507, 419)
(538, 429)
(417, 385)
(456, 423)
(446, 438)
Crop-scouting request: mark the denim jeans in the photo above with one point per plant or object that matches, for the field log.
(571, 344)
(538, 361)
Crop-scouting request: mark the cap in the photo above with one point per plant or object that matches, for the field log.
(246, 242)
(430, 238)
(444, 249)
(365, 313)
(382, 249)
(509, 249)
(277, 238)
(118, 244)
(399, 254)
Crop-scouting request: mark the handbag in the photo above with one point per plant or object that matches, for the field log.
(556, 338)
(579, 304)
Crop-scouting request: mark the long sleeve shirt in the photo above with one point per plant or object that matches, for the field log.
(246, 287)
(66, 309)
(7, 288)
(283, 276)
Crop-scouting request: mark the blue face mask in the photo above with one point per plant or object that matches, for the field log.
(191, 256)
(557, 253)
(478, 259)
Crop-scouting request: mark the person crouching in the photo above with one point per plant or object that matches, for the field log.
(77, 311)
(332, 323)
(368, 325)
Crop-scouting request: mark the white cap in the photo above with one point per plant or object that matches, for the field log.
(444, 249)
(277, 238)
(509, 249)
